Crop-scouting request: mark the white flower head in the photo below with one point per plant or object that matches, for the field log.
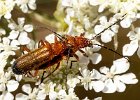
(115, 82)
(62, 95)
(20, 31)
(133, 46)
(106, 36)
(6, 83)
(5, 8)
(130, 49)
(32, 94)
(25, 5)
(6, 96)
(72, 82)
(90, 80)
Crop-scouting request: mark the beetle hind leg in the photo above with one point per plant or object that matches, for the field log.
(42, 78)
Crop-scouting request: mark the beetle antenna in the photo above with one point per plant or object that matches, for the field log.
(58, 35)
(113, 51)
(109, 27)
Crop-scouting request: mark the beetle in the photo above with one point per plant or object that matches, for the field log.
(49, 54)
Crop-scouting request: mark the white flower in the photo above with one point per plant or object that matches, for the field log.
(62, 95)
(7, 45)
(2, 32)
(6, 96)
(133, 46)
(24, 4)
(5, 82)
(72, 82)
(130, 8)
(90, 80)
(7, 86)
(5, 8)
(115, 82)
(47, 87)
(130, 49)
(32, 94)
(106, 36)
(90, 56)
(20, 31)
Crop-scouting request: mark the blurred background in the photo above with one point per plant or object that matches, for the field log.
(44, 17)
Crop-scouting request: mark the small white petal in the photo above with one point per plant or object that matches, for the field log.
(94, 2)
(41, 95)
(6, 96)
(130, 49)
(21, 20)
(120, 66)
(115, 28)
(50, 38)
(95, 58)
(86, 86)
(2, 87)
(12, 26)
(24, 8)
(6, 41)
(66, 3)
(7, 15)
(98, 98)
(98, 85)
(85, 72)
(28, 28)
(32, 6)
(104, 70)
(23, 39)
(96, 74)
(120, 86)
(21, 96)
(27, 88)
(125, 23)
(98, 29)
(52, 95)
(103, 20)
(107, 36)
(101, 8)
(12, 85)
(110, 87)
(13, 34)
(15, 43)
(2, 31)
(18, 77)
(129, 78)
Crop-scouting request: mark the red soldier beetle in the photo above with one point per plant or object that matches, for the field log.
(49, 54)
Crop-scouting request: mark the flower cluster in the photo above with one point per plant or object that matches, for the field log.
(11, 37)
(95, 18)
(108, 80)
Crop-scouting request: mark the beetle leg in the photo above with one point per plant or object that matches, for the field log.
(72, 63)
(76, 56)
(42, 78)
(83, 52)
